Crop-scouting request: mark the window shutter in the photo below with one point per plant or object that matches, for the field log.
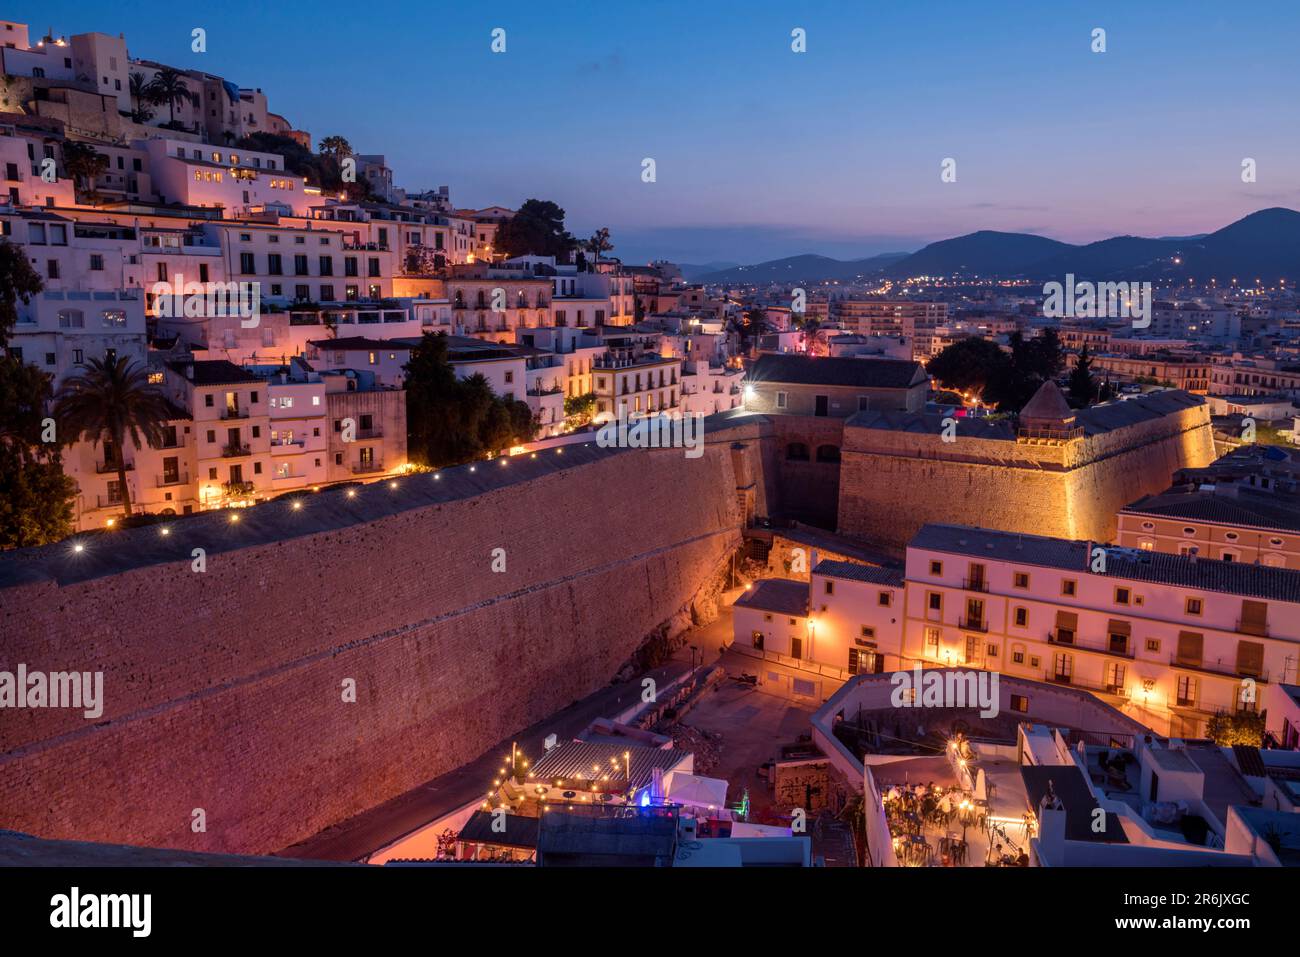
(1250, 658)
(1254, 617)
(1190, 644)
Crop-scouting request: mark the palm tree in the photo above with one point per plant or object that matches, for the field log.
(112, 399)
(168, 86)
(751, 326)
(140, 95)
(336, 146)
(599, 243)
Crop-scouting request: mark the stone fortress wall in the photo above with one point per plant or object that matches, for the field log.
(224, 689)
(892, 481)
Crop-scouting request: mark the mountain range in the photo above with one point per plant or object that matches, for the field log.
(1264, 245)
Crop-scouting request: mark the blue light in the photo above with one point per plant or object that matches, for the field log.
(645, 798)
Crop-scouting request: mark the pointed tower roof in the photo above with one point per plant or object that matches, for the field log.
(1047, 409)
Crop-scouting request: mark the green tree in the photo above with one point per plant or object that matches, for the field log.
(450, 420)
(1082, 387)
(537, 229)
(84, 164)
(579, 409)
(1239, 727)
(35, 496)
(969, 365)
(112, 399)
(18, 281)
(167, 88)
(599, 243)
(335, 146)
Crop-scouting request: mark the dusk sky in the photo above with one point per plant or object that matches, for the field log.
(762, 152)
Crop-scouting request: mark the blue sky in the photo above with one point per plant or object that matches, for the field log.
(761, 152)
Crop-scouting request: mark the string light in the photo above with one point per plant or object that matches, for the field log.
(234, 517)
(296, 505)
(78, 547)
(164, 530)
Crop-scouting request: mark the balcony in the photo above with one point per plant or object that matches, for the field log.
(1061, 637)
(109, 501)
(374, 432)
(1259, 629)
(235, 451)
(234, 413)
(1218, 669)
(106, 468)
(176, 478)
(365, 468)
(975, 584)
(968, 623)
(238, 489)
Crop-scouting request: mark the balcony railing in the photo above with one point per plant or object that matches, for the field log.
(107, 501)
(178, 478)
(1061, 638)
(234, 414)
(971, 624)
(976, 584)
(362, 468)
(1257, 628)
(1218, 668)
(238, 489)
(372, 433)
(105, 468)
(235, 451)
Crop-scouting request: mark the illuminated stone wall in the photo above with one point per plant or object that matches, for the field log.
(893, 482)
(224, 689)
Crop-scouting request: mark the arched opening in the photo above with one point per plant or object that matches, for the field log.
(796, 452)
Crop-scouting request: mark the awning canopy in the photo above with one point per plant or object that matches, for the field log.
(695, 790)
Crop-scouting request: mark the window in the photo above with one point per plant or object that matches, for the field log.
(1193, 606)
(1022, 617)
(885, 599)
(1123, 596)
(1153, 645)
(934, 601)
(781, 400)
(1020, 703)
(991, 650)
(932, 642)
(1018, 654)
(1069, 587)
(1021, 579)
(936, 568)
(830, 587)
(1115, 674)
(96, 262)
